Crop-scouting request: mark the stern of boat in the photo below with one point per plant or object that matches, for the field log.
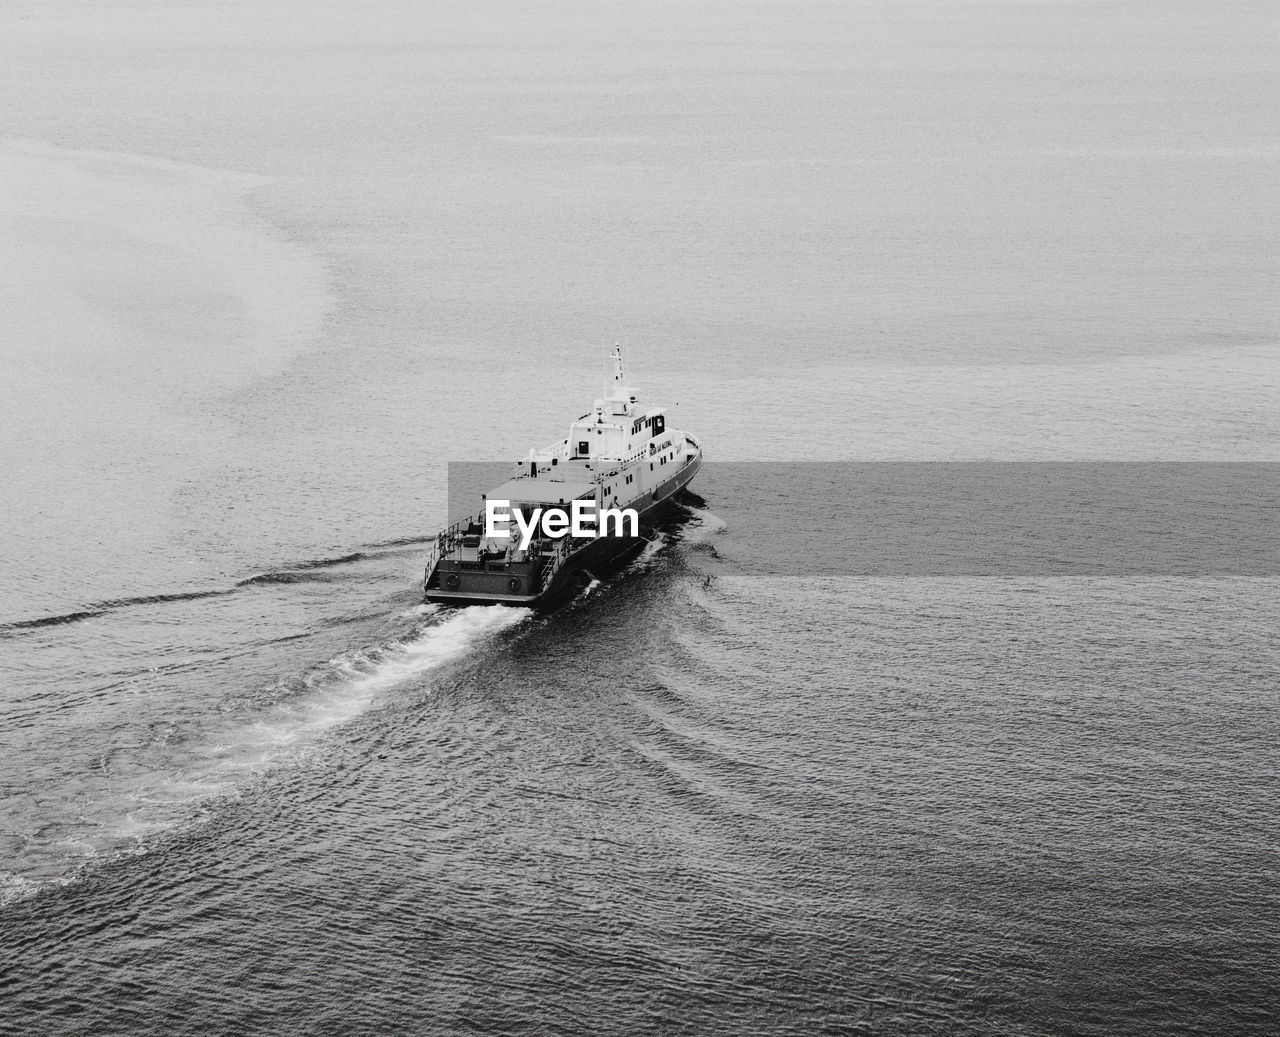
(460, 573)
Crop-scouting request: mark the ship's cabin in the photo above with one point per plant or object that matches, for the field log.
(616, 429)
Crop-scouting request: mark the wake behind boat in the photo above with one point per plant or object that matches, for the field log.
(617, 456)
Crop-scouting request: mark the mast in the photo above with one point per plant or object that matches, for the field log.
(616, 386)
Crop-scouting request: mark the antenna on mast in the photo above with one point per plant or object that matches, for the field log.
(617, 367)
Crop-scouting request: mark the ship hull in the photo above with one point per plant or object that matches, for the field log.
(519, 583)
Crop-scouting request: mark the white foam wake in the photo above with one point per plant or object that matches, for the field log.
(349, 683)
(156, 801)
(706, 526)
(651, 549)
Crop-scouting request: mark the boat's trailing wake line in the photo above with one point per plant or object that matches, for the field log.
(101, 608)
(298, 572)
(215, 763)
(708, 525)
(346, 685)
(402, 542)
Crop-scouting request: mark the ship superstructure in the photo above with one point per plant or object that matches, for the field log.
(618, 455)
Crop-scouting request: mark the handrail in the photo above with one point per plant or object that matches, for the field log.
(444, 542)
(552, 566)
(565, 546)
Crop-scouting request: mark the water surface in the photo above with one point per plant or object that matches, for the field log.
(268, 268)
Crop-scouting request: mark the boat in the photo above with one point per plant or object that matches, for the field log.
(618, 456)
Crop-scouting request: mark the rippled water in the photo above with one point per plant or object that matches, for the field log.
(697, 799)
(265, 269)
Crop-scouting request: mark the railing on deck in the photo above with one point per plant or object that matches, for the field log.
(553, 559)
(446, 540)
(564, 547)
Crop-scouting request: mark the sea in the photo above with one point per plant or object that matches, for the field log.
(828, 755)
